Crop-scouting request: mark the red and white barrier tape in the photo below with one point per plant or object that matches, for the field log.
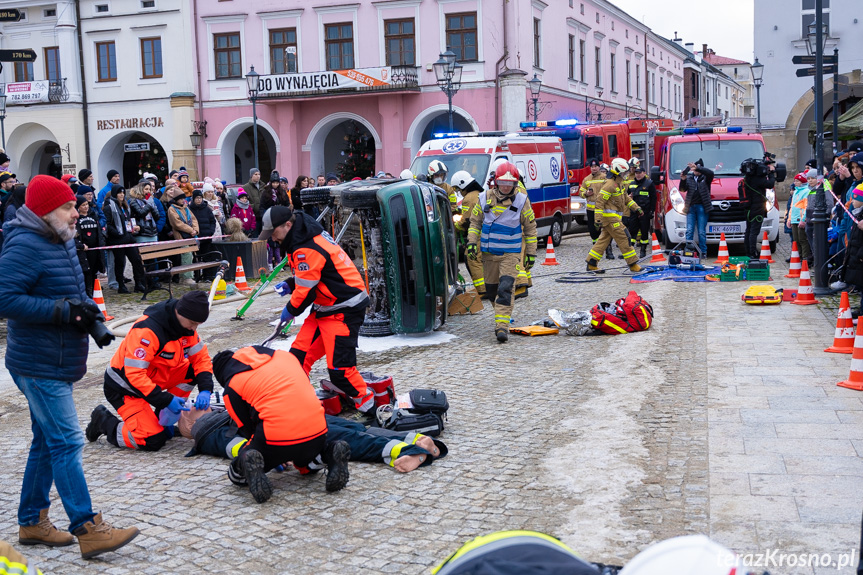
(142, 244)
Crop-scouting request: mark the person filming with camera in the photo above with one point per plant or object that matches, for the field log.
(696, 180)
(49, 318)
(758, 177)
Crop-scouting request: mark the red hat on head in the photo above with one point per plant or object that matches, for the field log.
(66, 177)
(800, 178)
(45, 194)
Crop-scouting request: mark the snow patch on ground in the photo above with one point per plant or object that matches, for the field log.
(379, 344)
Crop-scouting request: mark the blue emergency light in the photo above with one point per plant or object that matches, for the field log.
(440, 135)
(549, 124)
(714, 130)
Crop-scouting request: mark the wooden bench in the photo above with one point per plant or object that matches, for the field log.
(162, 266)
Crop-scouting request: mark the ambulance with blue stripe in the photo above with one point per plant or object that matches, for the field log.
(540, 160)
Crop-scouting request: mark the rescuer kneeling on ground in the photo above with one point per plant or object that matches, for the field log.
(279, 416)
(157, 364)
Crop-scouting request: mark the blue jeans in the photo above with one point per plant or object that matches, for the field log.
(697, 217)
(55, 453)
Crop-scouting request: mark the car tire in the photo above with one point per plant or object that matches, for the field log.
(581, 220)
(667, 241)
(556, 231)
(376, 328)
(360, 199)
(315, 195)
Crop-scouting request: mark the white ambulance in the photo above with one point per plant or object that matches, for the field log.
(540, 161)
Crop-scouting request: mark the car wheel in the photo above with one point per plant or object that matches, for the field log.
(359, 199)
(581, 220)
(376, 327)
(667, 241)
(315, 195)
(556, 231)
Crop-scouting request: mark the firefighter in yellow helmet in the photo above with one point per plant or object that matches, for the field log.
(611, 202)
(437, 175)
(470, 189)
(497, 225)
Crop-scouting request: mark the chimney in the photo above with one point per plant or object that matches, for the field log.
(677, 40)
(704, 50)
(690, 46)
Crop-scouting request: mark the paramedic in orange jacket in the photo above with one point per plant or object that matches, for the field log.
(158, 364)
(279, 417)
(325, 278)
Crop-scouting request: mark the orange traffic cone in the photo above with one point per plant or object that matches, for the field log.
(240, 276)
(794, 269)
(765, 250)
(805, 294)
(100, 299)
(550, 260)
(855, 377)
(843, 341)
(722, 257)
(656, 252)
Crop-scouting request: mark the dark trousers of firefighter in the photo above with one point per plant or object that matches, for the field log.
(638, 224)
(500, 272)
(336, 337)
(300, 454)
(474, 268)
(613, 229)
(753, 231)
(591, 226)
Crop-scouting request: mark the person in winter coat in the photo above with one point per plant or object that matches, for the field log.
(244, 211)
(797, 217)
(120, 232)
(146, 215)
(216, 206)
(48, 319)
(852, 267)
(227, 204)
(89, 236)
(696, 180)
(14, 202)
(270, 193)
(296, 193)
(206, 227)
(185, 226)
(254, 188)
(167, 198)
(185, 184)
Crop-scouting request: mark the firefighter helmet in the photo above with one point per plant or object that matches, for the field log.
(618, 166)
(406, 174)
(506, 172)
(634, 162)
(461, 179)
(436, 168)
(688, 554)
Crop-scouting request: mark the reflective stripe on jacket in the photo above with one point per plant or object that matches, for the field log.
(501, 226)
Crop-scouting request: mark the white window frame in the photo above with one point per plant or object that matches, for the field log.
(267, 25)
(337, 12)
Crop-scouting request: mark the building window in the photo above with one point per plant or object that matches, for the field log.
(536, 41)
(612, 25)
(808, 16)
(661, 92)
(653, 87)
(339, 46)
(628, 79)
(50, 13)
(400, 42)
(638, 81)
(598, 66)
(627, 32)
(726, 92)
(106, 61)
(597, 17)
(52, 63)
(151, 57)
(101, 8)
(571, 57)
(694, 83)
(582, 56)
(461, 36)
(148, 3)
(23, 71)
(613, 59)
(227, 54)
(283, 51)
(582, 9)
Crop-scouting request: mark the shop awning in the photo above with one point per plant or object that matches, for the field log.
(850, 125)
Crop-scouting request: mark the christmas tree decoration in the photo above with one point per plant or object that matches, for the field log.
(359, 154)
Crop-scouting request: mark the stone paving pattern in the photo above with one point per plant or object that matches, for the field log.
(722, 419)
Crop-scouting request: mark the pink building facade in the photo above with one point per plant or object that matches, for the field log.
(337, 73)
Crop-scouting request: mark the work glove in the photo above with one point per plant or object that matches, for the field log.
(598, 224)
(529, 261)
(178, 404)
(82, 314)
(471, 251)
(286, 315)
(640, 212)
(202, 402)
(285, 288)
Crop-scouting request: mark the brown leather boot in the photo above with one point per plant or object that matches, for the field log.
(96, 537)
(43, 533)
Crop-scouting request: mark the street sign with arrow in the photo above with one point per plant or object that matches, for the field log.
(10, 15)
(803, 72)
(24, 55)
(810, 60)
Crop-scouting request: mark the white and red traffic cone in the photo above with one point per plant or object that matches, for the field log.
(100, 299)
(550, 259)
(843, 340)
(765, 250)
(794, 267)
(805, 293)
(722, 257)
(657, 257)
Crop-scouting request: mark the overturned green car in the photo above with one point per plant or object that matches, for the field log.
(400, 235)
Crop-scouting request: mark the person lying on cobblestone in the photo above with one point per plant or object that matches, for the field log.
(278, 416)
(158, 364)
(404, 451)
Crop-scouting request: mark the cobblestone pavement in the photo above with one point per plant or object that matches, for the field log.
(721, 419)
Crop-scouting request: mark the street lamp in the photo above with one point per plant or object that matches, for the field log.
(3, 116)
(816, 41)
(448, 75)
(252, 84)
(535, 86)
(813, 41)
(596, 103)
(196, 139)
(757, 80)
(58, 159)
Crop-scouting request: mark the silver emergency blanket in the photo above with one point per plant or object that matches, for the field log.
(574, 323)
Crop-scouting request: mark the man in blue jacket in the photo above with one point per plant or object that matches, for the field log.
(49, 316)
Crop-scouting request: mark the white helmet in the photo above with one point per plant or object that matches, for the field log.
(461, 179)
(634, 162)
(687, 555)
(618, 166)
(406, 174)
(436, 168)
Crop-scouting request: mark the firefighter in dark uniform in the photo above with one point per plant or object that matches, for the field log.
(643, 193)
(325, 278)
(279, 417)
(470, 190)
(158, 364)
(589, 190)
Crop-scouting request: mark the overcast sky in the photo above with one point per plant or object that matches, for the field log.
(725, 26)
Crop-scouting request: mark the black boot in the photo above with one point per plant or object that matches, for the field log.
(502, 334)
(101, 421)
(139, 287)
(123, 289)
(252, 466)
(336, 457)
(609, 254)
(521, 294)
(643, 251)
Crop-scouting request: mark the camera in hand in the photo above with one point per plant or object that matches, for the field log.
(752, 168)
(87, 317)
(100, 333)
